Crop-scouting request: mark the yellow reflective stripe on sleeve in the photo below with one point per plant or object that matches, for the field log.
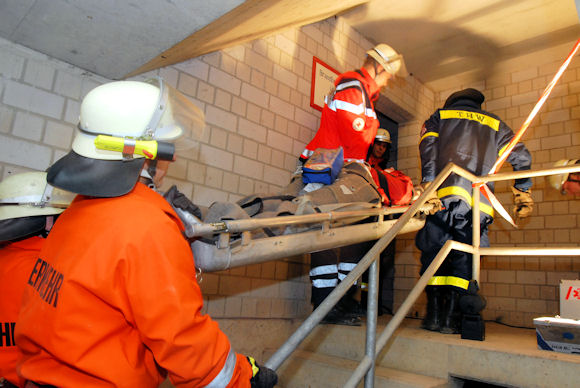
(457, 282)
(502, 150)
(460, 191)
(437, 281)
(467, 115)
(434, 134)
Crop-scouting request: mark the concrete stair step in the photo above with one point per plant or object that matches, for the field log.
(306, 369)
(507, 357)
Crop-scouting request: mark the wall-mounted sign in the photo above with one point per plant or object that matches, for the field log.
(323, 77)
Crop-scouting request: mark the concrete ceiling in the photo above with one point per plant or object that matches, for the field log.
(444, 42)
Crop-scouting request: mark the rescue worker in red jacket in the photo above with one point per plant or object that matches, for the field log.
(473, 139)
(112, 299)
(348, 117)
(28, 209)
(349, 121)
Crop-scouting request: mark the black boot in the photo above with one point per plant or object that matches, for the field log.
(452, 319)
(434, 314)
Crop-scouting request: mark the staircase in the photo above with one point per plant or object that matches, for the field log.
(417, 358)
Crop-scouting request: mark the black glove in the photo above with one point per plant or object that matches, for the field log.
(180, 201)
(471, 302)
(262, 377)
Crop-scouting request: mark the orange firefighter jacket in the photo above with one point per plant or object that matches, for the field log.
(16, 262)
(113, 301)
(348, 117)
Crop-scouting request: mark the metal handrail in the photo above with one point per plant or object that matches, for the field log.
(374, 347)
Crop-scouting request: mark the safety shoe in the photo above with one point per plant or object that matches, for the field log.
(337, 317)
(451, 323)
(433, 318)
(351, 307)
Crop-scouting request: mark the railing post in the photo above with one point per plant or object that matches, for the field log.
(372, 312)
(476, 230)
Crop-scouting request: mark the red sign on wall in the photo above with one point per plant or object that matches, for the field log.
(323, 77)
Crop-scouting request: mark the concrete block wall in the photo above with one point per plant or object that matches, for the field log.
(519, 289)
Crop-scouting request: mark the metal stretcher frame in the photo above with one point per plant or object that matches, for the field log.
(333, 229)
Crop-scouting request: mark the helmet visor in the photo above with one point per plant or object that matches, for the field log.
(178, 120)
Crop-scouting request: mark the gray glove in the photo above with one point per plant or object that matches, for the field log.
(433, 200)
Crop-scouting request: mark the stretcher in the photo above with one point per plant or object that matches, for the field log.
(296, 220)
(222, 245)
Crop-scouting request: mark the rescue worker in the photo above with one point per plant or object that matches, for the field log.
(122, 306)
(398, 190)
(348, 117)
(379, 152)
(349, 121)
(566, 183)
(462, 133)
(28, 210)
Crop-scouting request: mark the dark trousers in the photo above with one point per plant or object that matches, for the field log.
(330, 267)
(386, 278)
(453, 223)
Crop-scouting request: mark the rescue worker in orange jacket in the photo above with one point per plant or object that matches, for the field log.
(26, 217)
(462, 133)
(348, 117)
(112, 299)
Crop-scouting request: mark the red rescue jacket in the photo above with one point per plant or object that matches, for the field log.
(113, 301)
(395, 187)
(348, 117)
(16, 262)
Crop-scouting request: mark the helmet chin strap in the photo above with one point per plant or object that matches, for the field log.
(147, 179)
(148, 173)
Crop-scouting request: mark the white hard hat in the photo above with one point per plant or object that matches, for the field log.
(28, 194)
(389, 59)
(557, 181)
(149, 110)
(383, 135)
(131, 111)
(26, 200)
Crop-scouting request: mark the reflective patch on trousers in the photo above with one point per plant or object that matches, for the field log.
(346, 267)
(324, 283)
(324, 270)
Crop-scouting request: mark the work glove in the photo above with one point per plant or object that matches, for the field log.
(523, 203)
(471, 302)
(179, 201)
(433, 200)
(262, 377)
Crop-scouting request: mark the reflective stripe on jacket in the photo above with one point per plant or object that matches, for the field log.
(348, 117)
(16, 262)
(120, 305)
(472, 139)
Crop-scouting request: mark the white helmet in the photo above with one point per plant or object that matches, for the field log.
(26, 200)
(383, 135)
(557, 181)
(127, 114)
(389, 59)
